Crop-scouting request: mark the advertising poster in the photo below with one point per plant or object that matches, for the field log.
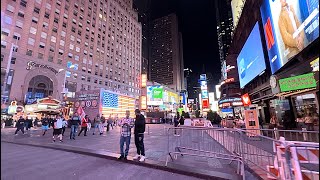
(89, 101)
(289, 26)
(251, 60)
(252, 122)
(155, 95)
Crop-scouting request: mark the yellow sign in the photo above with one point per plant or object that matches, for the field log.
(143, 80)
(143, 102)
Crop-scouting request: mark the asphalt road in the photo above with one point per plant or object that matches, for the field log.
(33, 163)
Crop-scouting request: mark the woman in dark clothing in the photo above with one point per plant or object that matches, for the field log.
(181, 121)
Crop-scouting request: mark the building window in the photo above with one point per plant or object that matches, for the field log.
(13, 60)
(56, 20)
(46, 15)
(42, 45)
(5, 32)
(59, 61)
(10, 8)
(3, 44)
(89, 79)
(53, 39)
(36, 10)
(35, 20)
(44, 35)
(29, 52)
(55, 29)
(64, 24)
(31, 41)
(61, 42)
(50, 58)
(23, 3)
(40, 55)
(45, 25)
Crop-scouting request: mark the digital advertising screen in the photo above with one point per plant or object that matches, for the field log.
(289, 27)
(251, 58)
(155, 95)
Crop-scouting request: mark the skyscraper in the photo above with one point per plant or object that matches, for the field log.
(89, 43)
(224, 29)
(166, 61)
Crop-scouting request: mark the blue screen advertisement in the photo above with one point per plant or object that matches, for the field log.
(251, 58)
(289, 27)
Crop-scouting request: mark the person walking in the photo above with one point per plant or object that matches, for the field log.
(273, 122)
(64, 125)
(57, 128)
(84, 125)
(89, 124)
(125, 135)
(75, 121)
(26, 123)
(300, 122)
(97, 124)
(139, 129)
(103, 123)
(20, 125)
(181, 121)
(3, 123)
(309, 122)
(45, 125)
(109, 123)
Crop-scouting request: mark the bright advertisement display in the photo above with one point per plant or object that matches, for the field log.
(289, 26)
(155, 95)
(251, 58)
(116, 104)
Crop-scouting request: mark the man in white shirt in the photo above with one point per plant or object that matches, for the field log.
(57, 128)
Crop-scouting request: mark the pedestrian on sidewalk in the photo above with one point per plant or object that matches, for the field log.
(309, 122)
(57, 128)
(84, 125)
(125, 134)
(27, 122)
(45, 124)
(20, 125)
(109, 123)
(139, 129)
(97, 124)
(75, 122)
(176, 123)
(300, 122)
(3, 123)
(64, 125)
(89, 124)
(103, 123)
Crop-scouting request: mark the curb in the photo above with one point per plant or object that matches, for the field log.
(113, 156)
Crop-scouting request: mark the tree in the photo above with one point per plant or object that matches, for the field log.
(210, 116)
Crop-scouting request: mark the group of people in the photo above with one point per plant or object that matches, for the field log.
(59, 124)
(306, 121)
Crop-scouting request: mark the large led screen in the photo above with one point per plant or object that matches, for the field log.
(154, 95)
(251, 59)
(289, 26)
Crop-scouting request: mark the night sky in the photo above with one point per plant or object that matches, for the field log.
(197, 23)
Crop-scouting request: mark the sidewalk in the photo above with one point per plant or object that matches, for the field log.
(108, 145)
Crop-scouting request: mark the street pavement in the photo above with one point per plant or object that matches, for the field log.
(156, 145)
(20, 162)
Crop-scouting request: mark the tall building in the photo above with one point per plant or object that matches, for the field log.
(77, 44)
(224, 29)
(144, 16)
(166, 61)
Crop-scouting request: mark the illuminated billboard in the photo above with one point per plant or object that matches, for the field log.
(251, 58)
(289, 26)
(155, 95)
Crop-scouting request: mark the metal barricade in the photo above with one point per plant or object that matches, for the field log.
(290, 135)
(197, 141)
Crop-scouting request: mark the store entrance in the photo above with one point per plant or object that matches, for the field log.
(39, 87)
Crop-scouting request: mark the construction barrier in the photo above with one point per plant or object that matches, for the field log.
(269, 158)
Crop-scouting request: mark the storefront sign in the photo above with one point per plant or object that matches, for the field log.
(315, 65)
(298, 82)
(205, 103)
(230, 100)
(34, 64)
(246, 99)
